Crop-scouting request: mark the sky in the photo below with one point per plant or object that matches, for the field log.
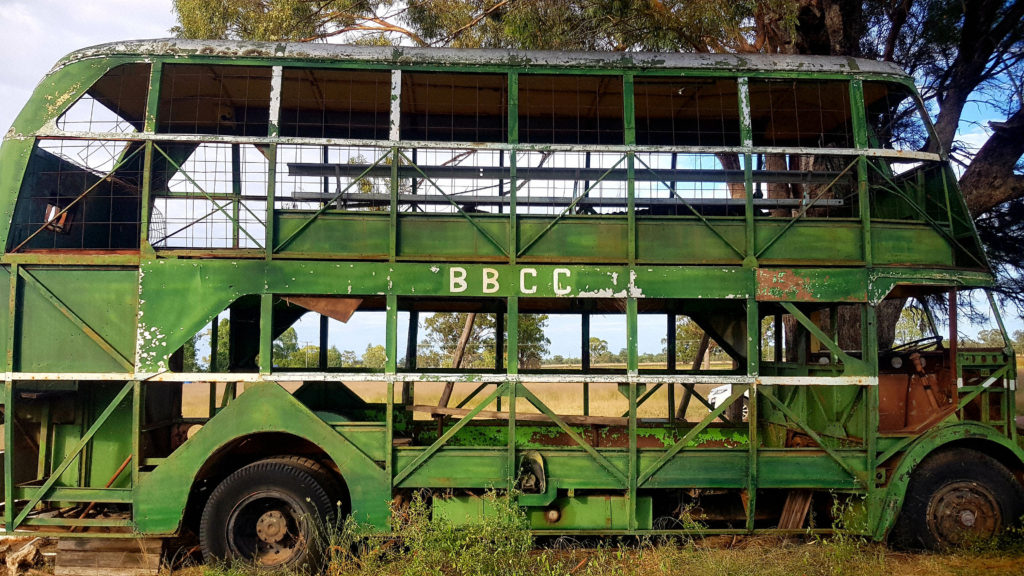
(37, 33)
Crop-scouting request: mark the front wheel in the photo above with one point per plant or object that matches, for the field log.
(266, 512)
(957, 497)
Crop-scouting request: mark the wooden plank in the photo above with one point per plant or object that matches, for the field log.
(794, 512)
(577, 420)
(144, 545)
(97, 571)
(106, 557)
(109, 559)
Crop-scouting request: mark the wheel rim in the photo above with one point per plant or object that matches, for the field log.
(268, 528)
(963, 512)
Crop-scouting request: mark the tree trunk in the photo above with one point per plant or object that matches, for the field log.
(990, 179)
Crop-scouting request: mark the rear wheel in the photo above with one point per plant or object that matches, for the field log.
(957, 497)
(267, 512)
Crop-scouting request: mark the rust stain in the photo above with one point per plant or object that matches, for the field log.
(778, 285)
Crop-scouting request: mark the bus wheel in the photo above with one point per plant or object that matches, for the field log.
(267, 512)
(957, 497)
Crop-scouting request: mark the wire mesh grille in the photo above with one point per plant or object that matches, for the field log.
(207, 99)
(209, 196)
(454, 107)
(115, 104)
(570, 109)
(79, 194)
(808, 113)
(687, 112)
(335, 103)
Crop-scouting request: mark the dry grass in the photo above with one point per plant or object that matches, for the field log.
(563, 398)
(720, 556)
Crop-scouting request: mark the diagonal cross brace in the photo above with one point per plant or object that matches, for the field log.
(408, 470)
(849, 362)
(327, 204)
(216, 206)
(682, 443)
(455, 205)
(814, 436)
(604, 462)
(805, 208)
(71, 457)
(704, 220)
(568, 208)
(75, 319)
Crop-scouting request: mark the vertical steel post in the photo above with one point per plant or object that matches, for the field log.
(747, 142)
(391, 345)
(273, 131)
(12, 325)
(512, 386)
(869, 335)
(236, 193)
(266, 333)
(323, 358)
(753, 441)
(149, 127)
(136, 431)
(860, 139)
(513, 157)
(632, 354)
(214, 344)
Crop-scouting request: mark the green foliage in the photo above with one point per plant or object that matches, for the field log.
(912, 325)
(375, 357)
(444, 329)
(499, 544)
(688, 337)
(271, 20)
(599, 350)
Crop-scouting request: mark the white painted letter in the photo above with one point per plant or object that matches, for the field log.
(559, 289)
(490, 281)
(457, 279)
(522, 281)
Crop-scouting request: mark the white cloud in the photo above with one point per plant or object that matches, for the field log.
(38, 33)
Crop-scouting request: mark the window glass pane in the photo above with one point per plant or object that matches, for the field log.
(225, 100)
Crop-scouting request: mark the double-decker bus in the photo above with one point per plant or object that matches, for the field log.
(171, 208)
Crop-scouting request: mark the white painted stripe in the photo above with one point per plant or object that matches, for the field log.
(568, 378)
(396, 106)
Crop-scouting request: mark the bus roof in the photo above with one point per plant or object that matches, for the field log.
(401, 55)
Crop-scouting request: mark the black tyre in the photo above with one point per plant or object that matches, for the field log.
(267, 512)
(956, 497)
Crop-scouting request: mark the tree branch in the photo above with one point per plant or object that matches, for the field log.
(990, 179)
(474, 21)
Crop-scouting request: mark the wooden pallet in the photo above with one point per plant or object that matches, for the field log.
(108, 556)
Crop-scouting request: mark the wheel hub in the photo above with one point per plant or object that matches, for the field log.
(271, 526)
(964, 511)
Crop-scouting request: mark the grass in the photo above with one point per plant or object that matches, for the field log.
(501, 545)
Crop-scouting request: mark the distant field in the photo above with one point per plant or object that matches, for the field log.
(563, 398)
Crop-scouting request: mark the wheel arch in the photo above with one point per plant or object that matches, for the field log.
(970, 435)
(265, 411)
(250, 448)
